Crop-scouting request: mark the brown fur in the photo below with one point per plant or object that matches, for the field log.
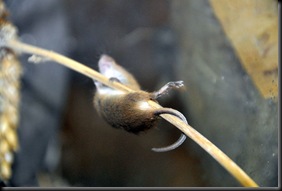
(122, 111)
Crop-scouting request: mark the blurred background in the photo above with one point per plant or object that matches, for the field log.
(226, 54)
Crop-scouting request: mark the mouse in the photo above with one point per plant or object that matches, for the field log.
(131, 111)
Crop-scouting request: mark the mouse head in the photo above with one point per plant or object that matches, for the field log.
(110, 69)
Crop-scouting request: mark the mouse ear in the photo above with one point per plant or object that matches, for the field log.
(105, 63)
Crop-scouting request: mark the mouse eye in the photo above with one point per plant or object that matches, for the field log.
(114, 79)
(104, 86)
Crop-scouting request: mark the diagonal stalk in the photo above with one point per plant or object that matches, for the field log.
(208, 146)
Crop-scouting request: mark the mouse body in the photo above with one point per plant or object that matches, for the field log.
(130, 111)
(121, 109)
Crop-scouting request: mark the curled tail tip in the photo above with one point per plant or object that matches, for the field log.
(171, 147)
(162, 149)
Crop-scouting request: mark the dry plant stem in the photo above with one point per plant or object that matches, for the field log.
(22, 47)
(208, 146)
(215, 152)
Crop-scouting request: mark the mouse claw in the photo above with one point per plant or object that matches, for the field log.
(176, 84)
(167, 87)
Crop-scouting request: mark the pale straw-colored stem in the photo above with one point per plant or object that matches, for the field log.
(215, 152)
(72, 64)
(208, 146)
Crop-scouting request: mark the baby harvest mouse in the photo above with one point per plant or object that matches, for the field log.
(130, 110)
